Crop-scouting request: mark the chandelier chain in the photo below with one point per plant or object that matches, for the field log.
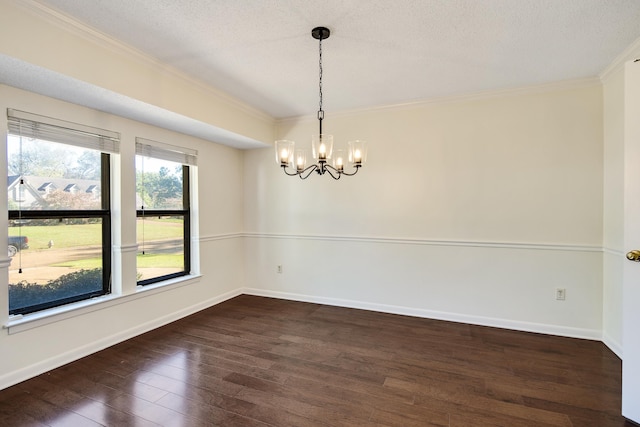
(320, 111)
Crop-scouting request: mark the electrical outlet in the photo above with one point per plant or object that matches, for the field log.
(279, 269)
(561, 294)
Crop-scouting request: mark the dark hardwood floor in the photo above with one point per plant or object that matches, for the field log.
(255, 361)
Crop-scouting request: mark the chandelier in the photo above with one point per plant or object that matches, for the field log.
(294, 161)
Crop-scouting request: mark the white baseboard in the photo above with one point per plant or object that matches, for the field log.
(613, 345)
(43, 366)
(565, 331)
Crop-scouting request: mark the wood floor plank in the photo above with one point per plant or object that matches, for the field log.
(412, 418)
(256, 362)
(326, 413)
(106, 415)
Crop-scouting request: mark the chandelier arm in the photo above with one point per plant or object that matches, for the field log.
(308, 171)
(284, 168)
(329, 168)
(351, 174)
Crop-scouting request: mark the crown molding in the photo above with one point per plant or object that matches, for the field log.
(454, 99)
(629, 54)
(92, 35)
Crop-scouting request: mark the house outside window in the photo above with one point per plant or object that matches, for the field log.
(59, 234)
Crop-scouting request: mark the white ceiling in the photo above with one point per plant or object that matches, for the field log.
(381, 52)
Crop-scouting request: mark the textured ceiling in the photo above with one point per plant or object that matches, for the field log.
(380, 52)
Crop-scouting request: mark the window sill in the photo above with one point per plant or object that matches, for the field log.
(21, 323)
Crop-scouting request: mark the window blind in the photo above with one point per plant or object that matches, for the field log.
(162, 151)
(31, 125)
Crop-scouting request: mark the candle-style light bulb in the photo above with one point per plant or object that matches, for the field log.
(284, 156)
(322, 151)
(357, 156)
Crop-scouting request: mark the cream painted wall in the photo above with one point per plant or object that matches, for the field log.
(473, 210)
(613, 209)
(27, 353)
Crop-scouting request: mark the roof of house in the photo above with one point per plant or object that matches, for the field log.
(66, 184)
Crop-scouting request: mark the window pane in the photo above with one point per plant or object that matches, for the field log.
(158, 184)
(160, 246)
(59, 259)
(45, 175)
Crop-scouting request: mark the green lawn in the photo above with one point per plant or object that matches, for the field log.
(160, 260)
(86, 264)
(143, 261)
(155, 229)
(65, 236)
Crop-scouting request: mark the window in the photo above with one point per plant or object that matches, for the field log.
(163, 211)
(60, 221)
